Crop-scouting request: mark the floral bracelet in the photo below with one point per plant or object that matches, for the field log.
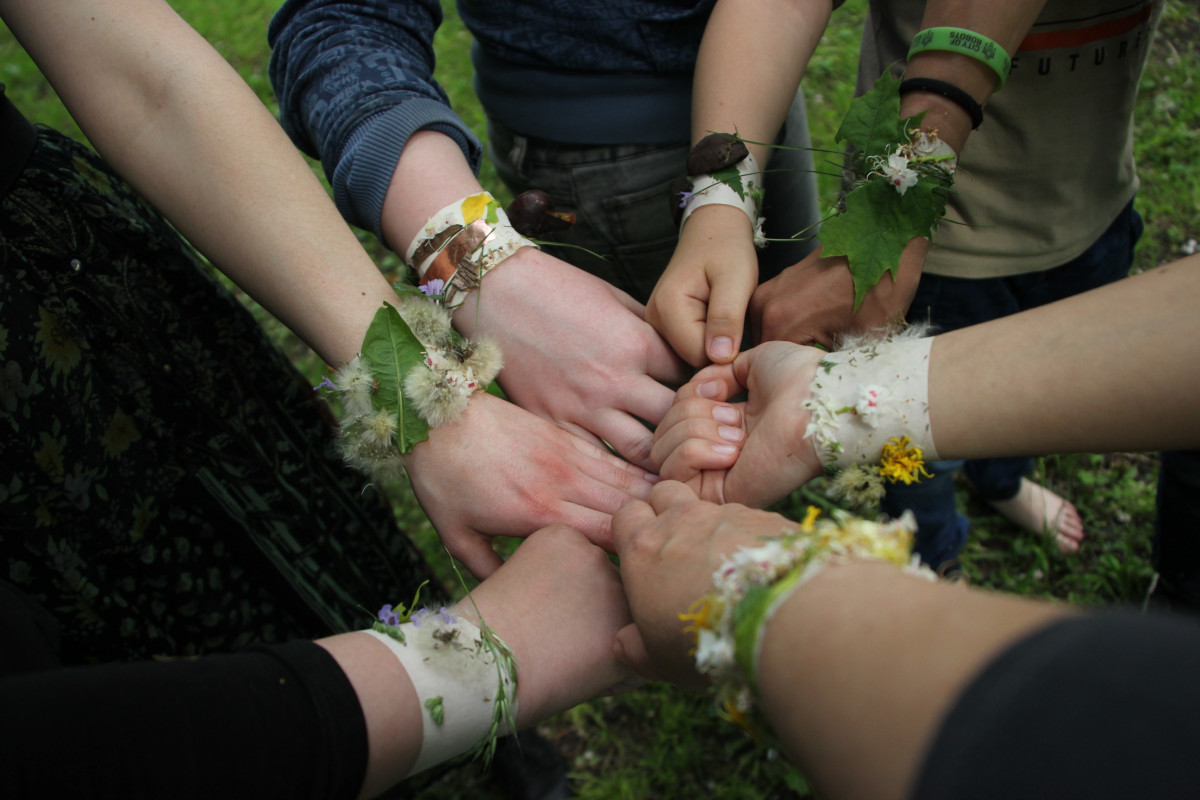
(753, 583)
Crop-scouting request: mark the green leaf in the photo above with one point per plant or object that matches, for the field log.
(436, 713)
(872, 124)
(392, 350)
(731, 178)
(876, 225)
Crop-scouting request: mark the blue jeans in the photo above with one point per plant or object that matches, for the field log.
(621, 198)
(953, 303)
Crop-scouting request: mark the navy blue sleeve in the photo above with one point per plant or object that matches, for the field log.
(355, 81)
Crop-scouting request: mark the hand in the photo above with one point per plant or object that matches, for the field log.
(501, 471)
(669, 549)
(696, 443)
(556, 588)
(699, 304)
(812, 302)
(576, 351)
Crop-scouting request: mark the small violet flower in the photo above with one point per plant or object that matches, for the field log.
(685, 198)
(387, 616)
(437, 286)
(326, 384)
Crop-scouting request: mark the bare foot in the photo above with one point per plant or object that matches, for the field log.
(1036, 508)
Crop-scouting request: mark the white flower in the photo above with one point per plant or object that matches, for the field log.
(870, 403)
(760, 238)
(714, 653)
(898, 173)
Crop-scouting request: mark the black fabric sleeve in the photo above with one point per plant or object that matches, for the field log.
(270, 721)
(1101, 706)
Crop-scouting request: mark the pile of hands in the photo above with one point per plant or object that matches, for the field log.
(572, 463)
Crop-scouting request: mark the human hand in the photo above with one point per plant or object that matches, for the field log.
(699, 304)
(576, 351)
(501, 471)
(669, 548)
(812, 302)
(697, 442)
(557, 587)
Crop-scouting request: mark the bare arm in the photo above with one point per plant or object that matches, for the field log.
(177, 122)
(1128, 350)
(857, 667)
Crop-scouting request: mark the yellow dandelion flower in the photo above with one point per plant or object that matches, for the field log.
(900, 462)
(49, 456)
(58, 347)
(699, 615)
(810, 517)
(120, 434)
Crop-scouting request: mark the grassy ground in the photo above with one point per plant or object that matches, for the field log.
(658, 742)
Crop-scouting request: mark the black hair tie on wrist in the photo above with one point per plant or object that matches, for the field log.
(949, 91)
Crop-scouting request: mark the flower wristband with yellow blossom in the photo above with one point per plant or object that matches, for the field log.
(869, 414)
(460, 244)
(753, 583)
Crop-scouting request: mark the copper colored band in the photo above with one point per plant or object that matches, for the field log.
(458, 251)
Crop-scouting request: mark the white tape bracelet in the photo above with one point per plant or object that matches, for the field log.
(456, 678)
(707, 191)
(461, 243)
(862, 397)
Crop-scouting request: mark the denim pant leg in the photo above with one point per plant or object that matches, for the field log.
(621, 197)
(941, 530)
(1177, 527)
(953, 303)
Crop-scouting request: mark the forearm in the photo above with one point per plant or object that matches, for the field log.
(355, 83)
(1111, 369)
(1004, 23)
(859, 665)
(749, 67)
(179, 124)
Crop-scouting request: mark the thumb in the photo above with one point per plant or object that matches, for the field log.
(475, 551)
(629, 649)
(727, 316)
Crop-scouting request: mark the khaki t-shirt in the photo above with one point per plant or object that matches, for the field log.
(1052, 164)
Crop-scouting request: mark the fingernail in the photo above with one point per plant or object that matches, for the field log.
(720, 347)
(709, 389)
(730, 434)
(724, 449)
(726, 414)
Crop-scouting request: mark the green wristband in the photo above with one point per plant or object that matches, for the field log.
(751, 617)
(968, 43)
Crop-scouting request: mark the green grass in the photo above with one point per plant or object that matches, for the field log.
(659, 742)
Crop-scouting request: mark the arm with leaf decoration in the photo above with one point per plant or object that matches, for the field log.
(867, 271)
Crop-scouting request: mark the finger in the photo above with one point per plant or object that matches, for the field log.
(630, 650)
(695, 456)
(475, 552)
(647, 399)
(627, 435)
(664, 364)
(680, 319)
(595, 525)
(716, 382)
(697, 418)
(628, 522)
(726, 316)
(669, 494)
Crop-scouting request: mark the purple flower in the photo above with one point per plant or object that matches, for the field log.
(685, 198)
(328, 384)
(445, 616)
(387, 616)
(434, 287)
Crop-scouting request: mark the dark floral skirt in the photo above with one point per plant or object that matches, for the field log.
(167, 483)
